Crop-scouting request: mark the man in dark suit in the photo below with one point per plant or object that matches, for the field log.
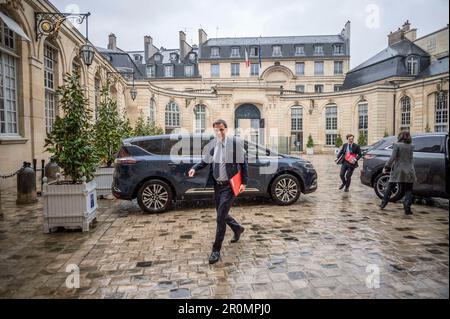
(226, 157)
(348, 156)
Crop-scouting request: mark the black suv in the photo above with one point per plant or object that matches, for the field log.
(431, 162)
(154, 170)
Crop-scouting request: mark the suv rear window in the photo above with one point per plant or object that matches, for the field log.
(151, 146)
(428, 144)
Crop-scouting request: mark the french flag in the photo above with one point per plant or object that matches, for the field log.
(247, 61)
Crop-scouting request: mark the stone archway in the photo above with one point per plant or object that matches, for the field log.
(248, 123)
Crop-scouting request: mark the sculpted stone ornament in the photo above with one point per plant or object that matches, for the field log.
(12, 4)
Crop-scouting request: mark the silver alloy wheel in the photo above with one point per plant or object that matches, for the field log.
(155, 196)
(286, 190)
(382, 185)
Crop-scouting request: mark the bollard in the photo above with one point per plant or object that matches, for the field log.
(26, 185)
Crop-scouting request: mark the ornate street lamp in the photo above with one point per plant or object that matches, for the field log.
(49, 23)
(133, 91)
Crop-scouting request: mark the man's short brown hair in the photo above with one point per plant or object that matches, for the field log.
(219, 122)
(349, 135)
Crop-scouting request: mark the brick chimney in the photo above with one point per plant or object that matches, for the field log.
(112, 42)
(185, 48)
(149, 49)
(202, 37)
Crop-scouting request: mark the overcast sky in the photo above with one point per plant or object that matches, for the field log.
(371, 20)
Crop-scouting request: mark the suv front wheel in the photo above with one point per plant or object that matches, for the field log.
(285, 190)
(380, 185)
(155, 196)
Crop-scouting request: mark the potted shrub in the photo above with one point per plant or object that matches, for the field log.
(338, 144)
(310, 146)
(109, 131)
(145, 127)
(71, 200)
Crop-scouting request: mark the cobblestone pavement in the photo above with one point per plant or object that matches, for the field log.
(324, 246)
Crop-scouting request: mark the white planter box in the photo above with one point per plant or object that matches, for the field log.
(104, 180)
(309, 151)
(69, 205)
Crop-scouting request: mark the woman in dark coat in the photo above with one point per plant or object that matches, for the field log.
(402, 170)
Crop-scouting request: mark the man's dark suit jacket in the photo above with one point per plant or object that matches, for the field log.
(355, 149)
(236, 159)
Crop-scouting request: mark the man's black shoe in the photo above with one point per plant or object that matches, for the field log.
(215, 256)
(341, 187)
(346, 190)
(408, 212)
(383, 205)
(237, 235)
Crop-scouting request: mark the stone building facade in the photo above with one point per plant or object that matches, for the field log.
(274, 90)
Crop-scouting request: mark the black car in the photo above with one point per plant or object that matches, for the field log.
(148, 168)
(431, 162)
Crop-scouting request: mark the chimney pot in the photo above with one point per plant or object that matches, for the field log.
(112, 42)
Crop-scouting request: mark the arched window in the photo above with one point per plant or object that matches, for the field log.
(297, 128)
(412, 65)
(8, 81)
(200, 118)
(331, 125)
(363, 119)
(50, 84)
(152, 110)
(405, 104)
(172, 117)
(441, 108)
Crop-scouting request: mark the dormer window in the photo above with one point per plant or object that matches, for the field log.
(299, 50)
(276, 50)
(235, 52)
(192, 56)
(338, 49)
(254, 52)
(157, 57)
(168, 71)
(412, 65)
(151, 71)
(173, 57)
(318, 50)
(215, 53)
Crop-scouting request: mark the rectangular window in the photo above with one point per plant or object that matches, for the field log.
(7, 38)
(235, 69)
(318, 50)
(215, 70)
(338, 49)
(318, 68)
(151, 71)
(441, 117)
(300, 88)
(8, 94)
(50, 61)
(276, 51)
(168, 71)
(215, 53)
(299, 50)
(363, 120)
(254, 71)
(318, 88)
(300, 68)
(189, 70)
(338, 67)
(235, 53)
(337, 88)
(330, 125)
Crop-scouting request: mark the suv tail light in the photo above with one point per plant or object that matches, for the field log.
(369, 156)
(125, 160)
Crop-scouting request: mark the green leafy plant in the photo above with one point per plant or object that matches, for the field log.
(144, 127)
(108, 128)
(127, 129)
(339, 141)
(310, 143)
(72, 139)
(427, 129)
(386, 134)
(362, 139)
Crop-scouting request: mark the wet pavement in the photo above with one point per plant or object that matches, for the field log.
(330, 244)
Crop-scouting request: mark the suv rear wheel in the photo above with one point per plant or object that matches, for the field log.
(155, 196)
(285, 190)
(380, 185)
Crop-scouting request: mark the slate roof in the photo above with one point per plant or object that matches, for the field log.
(391, 62)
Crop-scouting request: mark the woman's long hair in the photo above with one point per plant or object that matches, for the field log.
(405, 137)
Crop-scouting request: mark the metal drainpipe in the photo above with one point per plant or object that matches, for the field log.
(393, 121)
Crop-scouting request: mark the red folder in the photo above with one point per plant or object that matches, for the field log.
(236, 182)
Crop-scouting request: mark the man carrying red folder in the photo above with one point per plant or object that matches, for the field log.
(228, 172)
